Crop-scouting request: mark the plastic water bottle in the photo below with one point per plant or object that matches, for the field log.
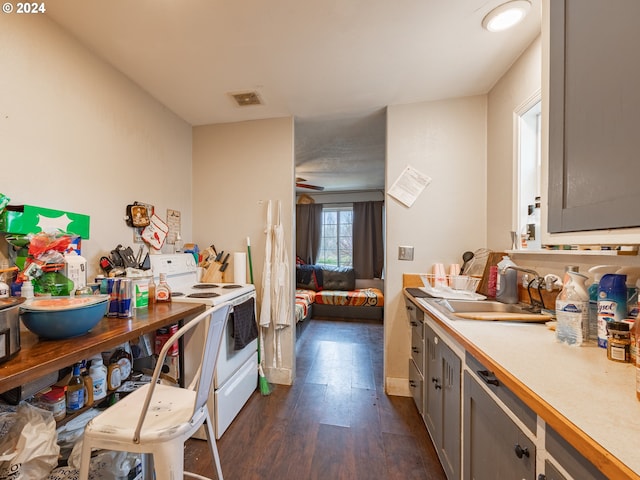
(572, 310)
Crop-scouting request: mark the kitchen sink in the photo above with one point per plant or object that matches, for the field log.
(464, 306)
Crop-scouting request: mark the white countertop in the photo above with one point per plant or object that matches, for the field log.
(595, 394)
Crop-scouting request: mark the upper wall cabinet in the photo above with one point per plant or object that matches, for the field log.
(594, 112)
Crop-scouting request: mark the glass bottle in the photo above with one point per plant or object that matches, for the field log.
(163, 291)
(524, 233)
(152, 292)
(533, 224)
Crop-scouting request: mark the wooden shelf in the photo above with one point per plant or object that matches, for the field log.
(590, 253)
(38, 357)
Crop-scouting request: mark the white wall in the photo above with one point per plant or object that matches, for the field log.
(77, 135)
(237, 168)
(519, 84)
(445, 140)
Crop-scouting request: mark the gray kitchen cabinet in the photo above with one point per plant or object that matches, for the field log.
(416, 362)
(442, 401)
(494, 445)
(569, 458)
(593, 108)
(550, 472)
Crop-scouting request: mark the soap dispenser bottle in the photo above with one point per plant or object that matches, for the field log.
(507, 284)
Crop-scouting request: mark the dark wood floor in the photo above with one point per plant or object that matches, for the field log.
(335, 422)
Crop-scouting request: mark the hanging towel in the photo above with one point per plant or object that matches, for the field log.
(243, 320)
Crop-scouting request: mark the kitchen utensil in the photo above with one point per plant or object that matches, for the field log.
(63, 317)
(106, 264)
(146, 263)
(466, 258)
(9, 327)
(505, 316)
(127, 256)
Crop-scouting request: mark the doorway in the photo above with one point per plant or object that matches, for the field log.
(340, 160)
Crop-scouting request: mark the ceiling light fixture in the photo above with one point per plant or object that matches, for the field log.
(506, 15)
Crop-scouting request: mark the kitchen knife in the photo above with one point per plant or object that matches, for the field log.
(128, 257)
(226, 258)
(219, 256)
(224, 267)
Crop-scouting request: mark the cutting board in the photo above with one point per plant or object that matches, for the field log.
(505, 316)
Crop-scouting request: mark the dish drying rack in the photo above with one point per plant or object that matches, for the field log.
(464, 283)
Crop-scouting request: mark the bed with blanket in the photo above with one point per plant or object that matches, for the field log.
(334, 292)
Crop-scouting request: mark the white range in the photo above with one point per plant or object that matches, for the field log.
(236, 376)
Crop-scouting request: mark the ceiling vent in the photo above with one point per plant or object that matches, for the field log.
(245, 99)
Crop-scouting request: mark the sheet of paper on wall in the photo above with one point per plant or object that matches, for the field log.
(409, 186)
(173, 222)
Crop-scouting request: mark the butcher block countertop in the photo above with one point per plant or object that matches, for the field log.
(38, 357)
(589, 400)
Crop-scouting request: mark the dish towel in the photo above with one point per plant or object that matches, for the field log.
(244, 327)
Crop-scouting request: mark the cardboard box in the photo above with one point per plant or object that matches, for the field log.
(24, 219)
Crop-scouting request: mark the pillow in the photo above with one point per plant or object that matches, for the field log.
(338, 278)
(309, 277)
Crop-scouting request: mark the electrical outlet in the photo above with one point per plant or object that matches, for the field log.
(405, 253)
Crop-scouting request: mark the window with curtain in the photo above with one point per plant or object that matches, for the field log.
(336, 241)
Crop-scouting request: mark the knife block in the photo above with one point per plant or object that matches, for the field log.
(213, 274)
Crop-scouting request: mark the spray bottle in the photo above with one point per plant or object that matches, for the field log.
(572, 310)
(598, 271)
(632, 273)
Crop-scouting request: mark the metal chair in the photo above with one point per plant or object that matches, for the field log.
(158, 419)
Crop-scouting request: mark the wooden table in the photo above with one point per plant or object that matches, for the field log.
(39, 357)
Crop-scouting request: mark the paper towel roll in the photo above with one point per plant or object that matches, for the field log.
(239, 267)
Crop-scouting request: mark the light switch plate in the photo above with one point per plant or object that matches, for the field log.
(405, 253)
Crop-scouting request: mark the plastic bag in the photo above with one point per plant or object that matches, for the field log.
(29, 450)
(108, 464)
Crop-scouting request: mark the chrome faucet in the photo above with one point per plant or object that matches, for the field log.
(537, 282)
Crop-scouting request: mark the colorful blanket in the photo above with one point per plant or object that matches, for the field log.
(362, 297)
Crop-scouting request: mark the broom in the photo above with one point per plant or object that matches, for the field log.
(262, 379)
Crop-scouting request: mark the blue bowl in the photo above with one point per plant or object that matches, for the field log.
(63, 317)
